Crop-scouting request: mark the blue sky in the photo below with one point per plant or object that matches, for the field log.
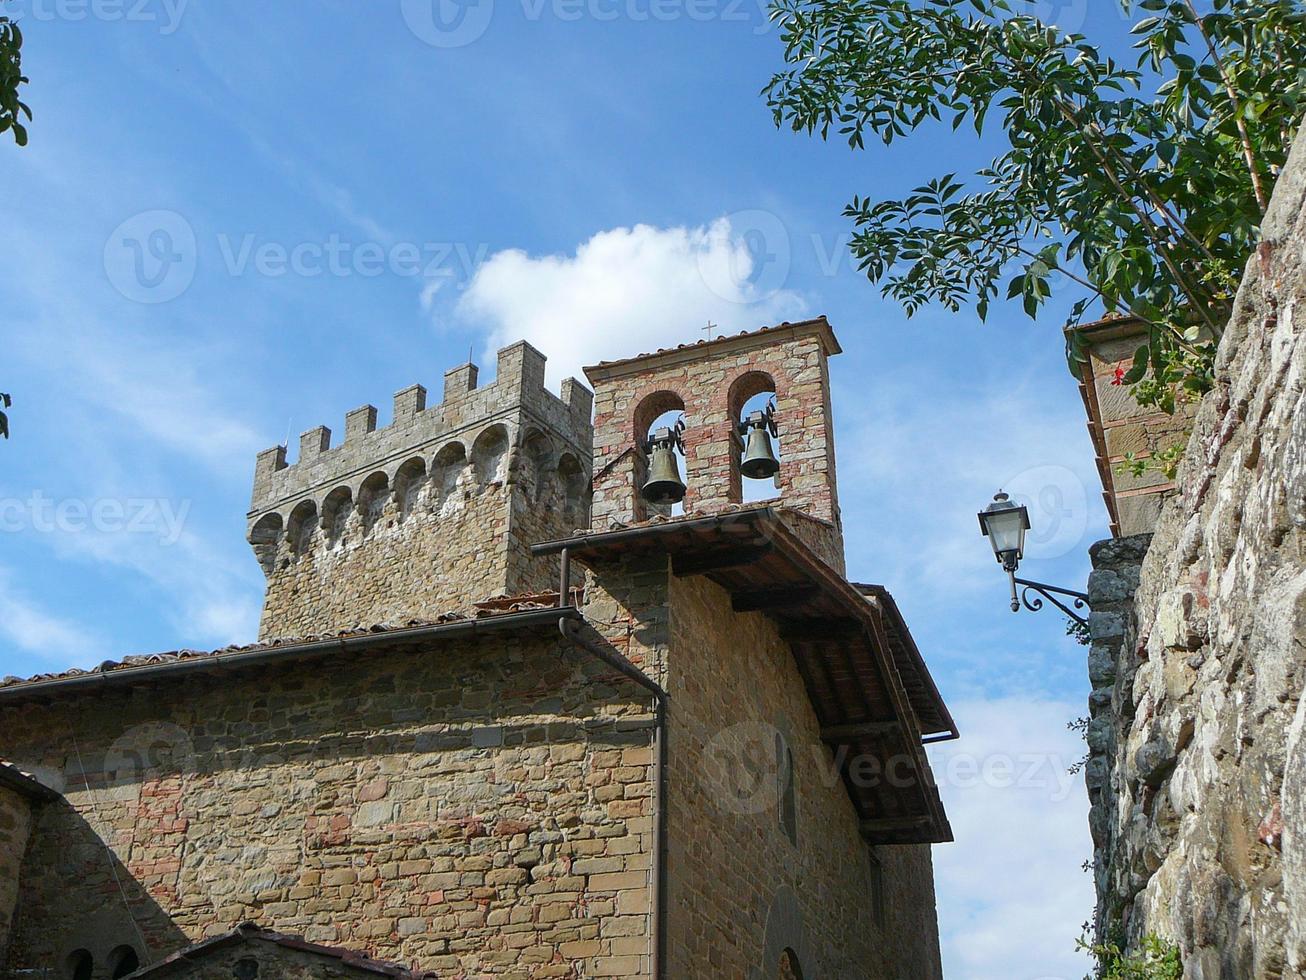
(329, 203)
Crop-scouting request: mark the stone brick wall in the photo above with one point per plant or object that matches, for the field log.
(711, 382)
(741, 889)
(1198, 770)
(432, 512)
(477, 808)
(15, 827)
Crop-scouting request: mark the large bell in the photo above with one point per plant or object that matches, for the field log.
(759, 458)
(664, 485)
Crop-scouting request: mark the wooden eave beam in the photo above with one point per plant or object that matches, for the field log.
(774, 599)
(719, 559)
(856, 730)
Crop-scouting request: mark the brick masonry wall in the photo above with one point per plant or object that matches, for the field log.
(15, 825)
(475, 808)
(1200, 777)
(741, 891)
(711, 382)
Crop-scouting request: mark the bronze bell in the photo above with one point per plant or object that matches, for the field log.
(759, 458)
(664, 485)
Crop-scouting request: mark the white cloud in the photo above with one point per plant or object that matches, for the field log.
(633, 289)
(1010, 888)
(29, 627)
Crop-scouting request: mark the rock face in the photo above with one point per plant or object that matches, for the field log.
(1197, 738)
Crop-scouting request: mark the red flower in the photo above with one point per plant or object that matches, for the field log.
(1119, 377)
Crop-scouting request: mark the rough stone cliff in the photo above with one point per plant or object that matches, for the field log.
(1197, 768)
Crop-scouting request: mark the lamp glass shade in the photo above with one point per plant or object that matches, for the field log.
(1005, 524)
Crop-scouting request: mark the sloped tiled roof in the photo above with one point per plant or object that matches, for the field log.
(603, 366)
(248, 932)
(24, 783)
(520, 610)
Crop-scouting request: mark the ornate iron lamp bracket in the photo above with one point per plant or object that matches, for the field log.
(1034, 604)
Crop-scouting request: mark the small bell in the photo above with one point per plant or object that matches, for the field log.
(759, 458)
(664, 484)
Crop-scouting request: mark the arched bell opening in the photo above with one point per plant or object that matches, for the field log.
(660, 484)
(755, 463)
(663, 488)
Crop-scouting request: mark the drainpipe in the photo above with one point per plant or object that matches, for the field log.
(569, 626)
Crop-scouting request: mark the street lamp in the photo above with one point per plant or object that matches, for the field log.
(1004, 523)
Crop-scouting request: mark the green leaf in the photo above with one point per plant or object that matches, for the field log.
(1139, 369)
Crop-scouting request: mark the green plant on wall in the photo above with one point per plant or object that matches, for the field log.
(1144, 184)
(1155, 959)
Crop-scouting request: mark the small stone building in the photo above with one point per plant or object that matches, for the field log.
(504, 718)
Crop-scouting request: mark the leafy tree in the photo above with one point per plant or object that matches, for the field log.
(12, 109)
(1144, 183)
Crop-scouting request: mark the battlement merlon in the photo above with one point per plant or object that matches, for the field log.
(516, 398)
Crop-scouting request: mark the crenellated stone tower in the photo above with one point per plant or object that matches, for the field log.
(437, 509)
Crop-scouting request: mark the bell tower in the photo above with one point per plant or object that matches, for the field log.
(711, 382)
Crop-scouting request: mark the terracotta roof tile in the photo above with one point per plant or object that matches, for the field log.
(712, 340)
(494, 608)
